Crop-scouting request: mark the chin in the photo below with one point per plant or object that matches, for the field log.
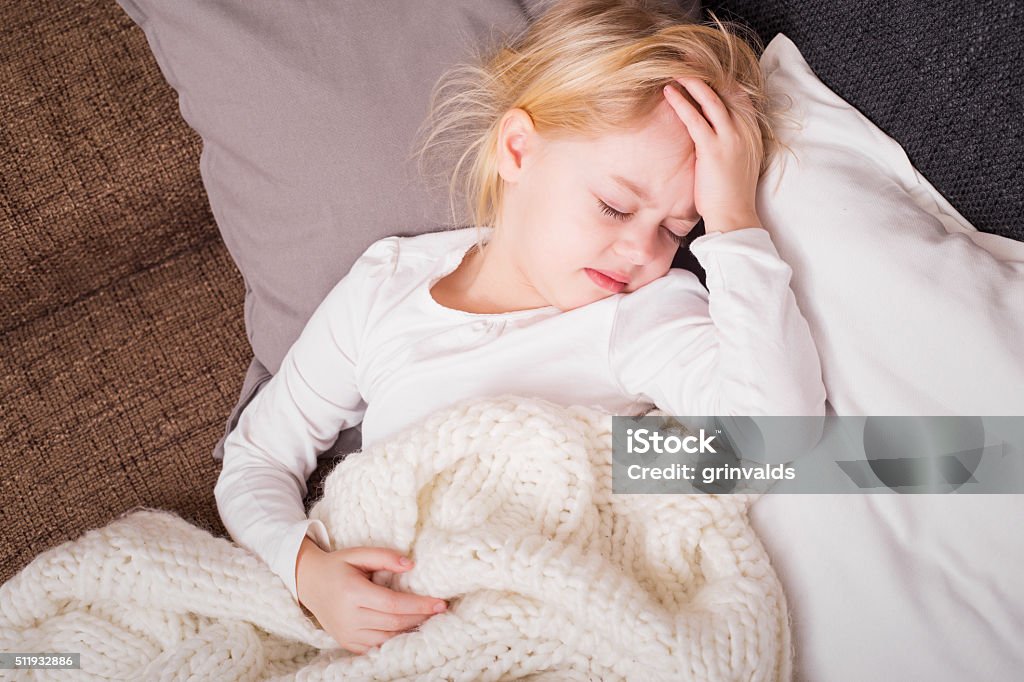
(582, 301)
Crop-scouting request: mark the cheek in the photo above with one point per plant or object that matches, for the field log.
(666, 253)
(660, 267)
(565, 241)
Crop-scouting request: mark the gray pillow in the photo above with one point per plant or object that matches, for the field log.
(308, 113)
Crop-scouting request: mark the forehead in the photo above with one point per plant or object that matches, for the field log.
(657, 145)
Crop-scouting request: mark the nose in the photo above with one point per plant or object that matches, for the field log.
(638, 246)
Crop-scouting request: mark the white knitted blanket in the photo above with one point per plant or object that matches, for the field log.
(506, 507)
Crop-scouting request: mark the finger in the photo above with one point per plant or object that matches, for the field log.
(354, 647)
(372, 638)
(376, 559)
(698, 127)
(380, 598)
(715, 111)
(389, 622)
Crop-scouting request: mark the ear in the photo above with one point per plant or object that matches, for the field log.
(516, 138)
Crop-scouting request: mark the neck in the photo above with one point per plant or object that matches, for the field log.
(493, 283)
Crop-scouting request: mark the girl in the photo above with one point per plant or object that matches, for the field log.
(603, 136)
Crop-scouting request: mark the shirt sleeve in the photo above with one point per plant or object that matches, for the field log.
(742, 349)
(296, 416)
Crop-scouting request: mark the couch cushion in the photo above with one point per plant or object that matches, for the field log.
(97, 175)
(113, 401)
(306, 112)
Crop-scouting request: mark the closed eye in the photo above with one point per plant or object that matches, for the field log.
(608, 210)
(619, 215)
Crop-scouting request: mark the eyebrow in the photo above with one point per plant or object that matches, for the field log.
(642, 193)
(632, 187)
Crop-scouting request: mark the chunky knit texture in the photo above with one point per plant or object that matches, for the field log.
(505, 505)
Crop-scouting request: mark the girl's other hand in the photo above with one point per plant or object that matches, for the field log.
(726, 172)
(358, 613)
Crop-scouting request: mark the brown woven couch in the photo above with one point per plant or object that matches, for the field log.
(123, 339)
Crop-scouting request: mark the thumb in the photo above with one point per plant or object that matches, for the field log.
(377, 559)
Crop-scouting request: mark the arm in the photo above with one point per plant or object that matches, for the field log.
(297, 415)
(743, 349)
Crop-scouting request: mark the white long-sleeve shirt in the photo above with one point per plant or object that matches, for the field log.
(379, 349)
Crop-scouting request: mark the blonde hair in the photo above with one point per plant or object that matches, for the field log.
(583, 68)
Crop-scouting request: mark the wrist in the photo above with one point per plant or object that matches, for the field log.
(731, 222)
(309, 554)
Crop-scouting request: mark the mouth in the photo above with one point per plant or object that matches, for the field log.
(610, 281)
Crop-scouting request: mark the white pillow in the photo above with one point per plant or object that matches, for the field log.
(914, 312)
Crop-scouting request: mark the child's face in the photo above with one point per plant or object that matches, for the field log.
(558, 234)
